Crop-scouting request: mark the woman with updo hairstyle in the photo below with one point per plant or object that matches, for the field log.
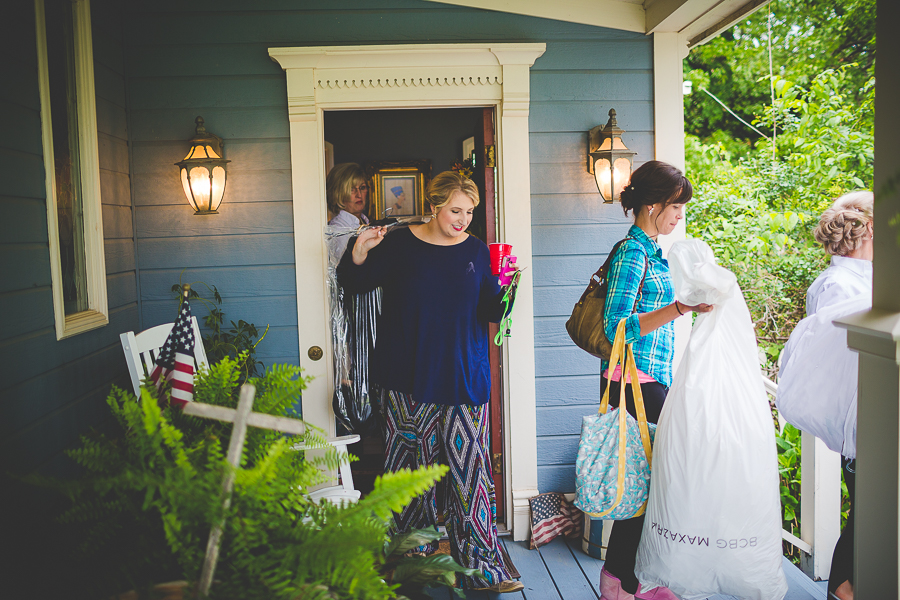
(431, 362)
(640, 292)
(846, 231)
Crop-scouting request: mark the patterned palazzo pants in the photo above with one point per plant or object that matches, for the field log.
(418, 434)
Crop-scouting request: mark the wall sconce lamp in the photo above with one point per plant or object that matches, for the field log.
(608, 158)
(203, 171)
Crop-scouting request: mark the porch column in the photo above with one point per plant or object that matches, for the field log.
(669, 50)
(874, 335)
(308, 190)
(520, 429)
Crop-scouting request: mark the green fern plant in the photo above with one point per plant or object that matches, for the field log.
(151, 493)
(414, 571)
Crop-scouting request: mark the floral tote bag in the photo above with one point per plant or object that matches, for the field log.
(612, 478)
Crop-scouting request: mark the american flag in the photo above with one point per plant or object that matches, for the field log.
(175, 362)
(552, 515)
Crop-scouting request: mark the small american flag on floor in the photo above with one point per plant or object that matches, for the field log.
(552, 515)
(175, 362)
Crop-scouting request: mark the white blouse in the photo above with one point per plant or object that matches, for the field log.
(845, 278)
(342, 223)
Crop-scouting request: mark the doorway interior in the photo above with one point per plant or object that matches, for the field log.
(438, 138)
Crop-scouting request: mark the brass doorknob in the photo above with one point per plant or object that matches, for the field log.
(315, 353)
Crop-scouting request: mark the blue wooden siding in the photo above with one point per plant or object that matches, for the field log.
(574, 84)
(221, 70)
(53, 391)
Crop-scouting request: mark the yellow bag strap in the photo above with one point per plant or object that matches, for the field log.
(623, 352)
(618, 352)
(639, 406)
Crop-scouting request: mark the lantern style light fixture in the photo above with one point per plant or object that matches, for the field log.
(203, 171)
(609, 159)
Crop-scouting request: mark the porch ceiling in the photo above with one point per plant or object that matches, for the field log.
(696, 20)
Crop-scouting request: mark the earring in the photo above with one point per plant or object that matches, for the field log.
(650, 210)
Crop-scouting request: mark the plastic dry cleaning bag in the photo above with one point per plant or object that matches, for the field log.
(353, 330)
(713, 520)
(817, 382)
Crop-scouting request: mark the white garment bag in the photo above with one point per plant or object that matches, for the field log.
(817, 383)
(713, 521)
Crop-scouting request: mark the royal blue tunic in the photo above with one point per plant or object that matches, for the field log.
(432, 335)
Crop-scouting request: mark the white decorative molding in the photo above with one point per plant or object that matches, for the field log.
(388, 82)
(417, 76)
(97, 312)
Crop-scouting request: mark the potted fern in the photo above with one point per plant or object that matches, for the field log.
(150, 494)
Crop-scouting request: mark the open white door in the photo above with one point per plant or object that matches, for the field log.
(415, 76)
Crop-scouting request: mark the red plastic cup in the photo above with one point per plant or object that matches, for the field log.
(499, 252)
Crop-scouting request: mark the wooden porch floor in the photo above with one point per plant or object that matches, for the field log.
(561, 571)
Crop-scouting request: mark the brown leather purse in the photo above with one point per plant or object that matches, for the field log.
(585, 325)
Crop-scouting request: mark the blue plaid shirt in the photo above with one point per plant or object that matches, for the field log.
(653, 352)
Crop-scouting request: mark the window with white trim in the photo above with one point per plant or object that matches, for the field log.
(72, 165)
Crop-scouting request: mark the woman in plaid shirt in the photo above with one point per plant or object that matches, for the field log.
(656, 196)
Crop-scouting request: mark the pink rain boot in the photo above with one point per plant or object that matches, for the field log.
(611, 588)
(658, 593)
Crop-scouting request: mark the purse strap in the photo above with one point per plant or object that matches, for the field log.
(622, 351)
(599, 277)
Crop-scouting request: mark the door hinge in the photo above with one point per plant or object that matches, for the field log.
(490, 156)
(497, 463)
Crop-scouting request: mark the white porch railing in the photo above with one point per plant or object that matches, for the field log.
(820, 502)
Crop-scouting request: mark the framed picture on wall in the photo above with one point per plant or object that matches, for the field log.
(398, 189)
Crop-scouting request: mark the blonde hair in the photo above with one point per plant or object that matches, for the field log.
(443, 186)
(339, 185)
(842, 227)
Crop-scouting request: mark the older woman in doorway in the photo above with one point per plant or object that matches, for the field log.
(346, 197)
(431, 360)
(640, 291)
(353, 325)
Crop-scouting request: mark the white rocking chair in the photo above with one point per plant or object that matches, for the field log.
(141, 351)
(343, 492)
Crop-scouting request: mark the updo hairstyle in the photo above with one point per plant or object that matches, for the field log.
(653, 182)
(339, 185)
(445, 184)
(843, 226)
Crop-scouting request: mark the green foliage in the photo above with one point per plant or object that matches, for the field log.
(788, 442)
(826, 133)
(808, 37)
(413, 571)
(238, 341)
(758, 212)
(151, 492)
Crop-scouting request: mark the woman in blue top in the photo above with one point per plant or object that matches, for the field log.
(656, 195)
(431, 360)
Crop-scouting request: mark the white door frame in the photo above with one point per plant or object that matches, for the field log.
(417, 76)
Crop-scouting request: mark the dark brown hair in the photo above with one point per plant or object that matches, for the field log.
(654, 182)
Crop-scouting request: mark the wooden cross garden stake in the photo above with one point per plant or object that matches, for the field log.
(242, 418)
